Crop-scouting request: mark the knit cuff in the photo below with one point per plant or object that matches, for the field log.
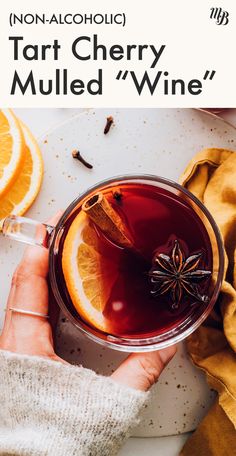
(51, 408)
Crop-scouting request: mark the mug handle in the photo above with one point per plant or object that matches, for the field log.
(27, 231)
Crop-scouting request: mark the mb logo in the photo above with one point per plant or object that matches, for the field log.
(222, 17)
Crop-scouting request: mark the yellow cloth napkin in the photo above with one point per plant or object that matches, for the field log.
(211, 176)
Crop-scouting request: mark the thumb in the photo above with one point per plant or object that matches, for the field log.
(142, 370)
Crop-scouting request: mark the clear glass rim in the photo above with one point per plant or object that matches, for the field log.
(155, 342)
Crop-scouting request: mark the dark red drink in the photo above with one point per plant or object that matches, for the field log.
(157, 220)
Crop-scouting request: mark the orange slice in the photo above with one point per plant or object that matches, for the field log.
(25, 187)
(11, 149)
(89, 276)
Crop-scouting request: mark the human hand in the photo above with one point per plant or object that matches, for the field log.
(23, 333)
(31, 335)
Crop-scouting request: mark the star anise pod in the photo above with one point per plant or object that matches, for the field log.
(177, 275)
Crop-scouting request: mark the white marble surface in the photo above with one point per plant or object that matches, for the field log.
(40, 121)
(159, 446)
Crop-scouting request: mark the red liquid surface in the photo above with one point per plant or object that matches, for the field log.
(155, 218)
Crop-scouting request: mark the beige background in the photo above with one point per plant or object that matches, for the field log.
(194, 44)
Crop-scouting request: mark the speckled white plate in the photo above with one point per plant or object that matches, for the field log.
(156, 141)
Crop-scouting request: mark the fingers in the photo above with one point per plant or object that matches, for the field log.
(35, 259)
(29, 290)
(142, 370)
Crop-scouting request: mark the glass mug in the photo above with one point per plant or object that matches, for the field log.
(158, 206)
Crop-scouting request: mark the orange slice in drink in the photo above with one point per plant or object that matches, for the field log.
(89, 276)
(11, 149)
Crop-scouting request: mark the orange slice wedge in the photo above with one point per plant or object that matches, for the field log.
(25, 187)
(11, 149)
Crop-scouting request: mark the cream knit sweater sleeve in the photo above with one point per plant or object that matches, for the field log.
(49, 408)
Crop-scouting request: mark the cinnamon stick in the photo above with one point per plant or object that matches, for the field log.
(98, 208)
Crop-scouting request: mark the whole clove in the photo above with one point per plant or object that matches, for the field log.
(76, 154)
(108, 125)
(117, 195)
